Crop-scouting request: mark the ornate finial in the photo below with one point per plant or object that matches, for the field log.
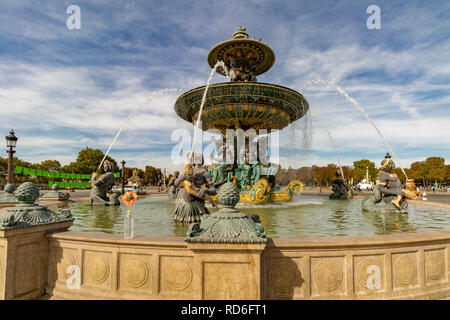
(8, 196)
(29, 214)
(229, 195)
(9, 188)
(387, 156)
(27, 192)
(228, 225)
(240, 33)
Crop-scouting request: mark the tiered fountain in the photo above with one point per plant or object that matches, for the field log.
(243, 103)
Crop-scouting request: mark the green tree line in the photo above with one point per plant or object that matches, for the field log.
(86, 162)
(432, 171)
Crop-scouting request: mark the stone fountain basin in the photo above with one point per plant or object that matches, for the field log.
(400, 266)
(244, 104)
(413, 265)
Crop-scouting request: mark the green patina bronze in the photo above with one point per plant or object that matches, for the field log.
(102, 185)
(8, 196)
(388, 194)
(29, 214)
(243, 105)
(340, 189)
(246, 106)
(56, 194)
(228, 225)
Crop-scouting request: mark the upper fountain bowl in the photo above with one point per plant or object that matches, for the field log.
(242, 105)
(249, 53)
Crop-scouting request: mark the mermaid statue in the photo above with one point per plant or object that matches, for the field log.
(190, 202)
(173, 191)
(389, 195)
(102, 185)
(340, 189)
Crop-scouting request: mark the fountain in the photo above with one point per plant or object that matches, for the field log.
(308, 248)
(244, 105)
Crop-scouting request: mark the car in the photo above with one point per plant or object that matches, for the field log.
(118, 188)
(365, 186)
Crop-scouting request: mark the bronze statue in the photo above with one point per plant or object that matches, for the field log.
(190, 203)
(173, 190)
(340, 189)
(389, 188)
(102, 185)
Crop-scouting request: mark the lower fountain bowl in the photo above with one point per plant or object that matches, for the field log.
(243, 105)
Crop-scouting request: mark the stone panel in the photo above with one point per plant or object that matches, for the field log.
(328, 276)
(369, 274)
(97, 269)
(2, 271)
(135, 272)
(28, 267)
(405, 270)
(60, 261)
(229, 280)
(435, 267)
(175, 276)
(284, 277)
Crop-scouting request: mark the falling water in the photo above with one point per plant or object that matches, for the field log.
(300, 137)
(130, 116)
(332, 144)
(301, 133)
(357, 105)
(221, 64)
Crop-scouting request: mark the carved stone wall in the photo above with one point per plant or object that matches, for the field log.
(379, 267)
(24, 260)
(150, 268)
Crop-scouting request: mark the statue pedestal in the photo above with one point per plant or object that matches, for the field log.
(24, 260)
(224, 271)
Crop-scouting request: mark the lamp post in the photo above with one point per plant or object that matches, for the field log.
(164, 178)
(123, 177)
(11, 141)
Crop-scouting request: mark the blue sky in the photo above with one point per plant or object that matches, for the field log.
(62, 90)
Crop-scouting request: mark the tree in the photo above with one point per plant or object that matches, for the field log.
(360, 167)
(447, 173)
(435, 167)
(151, 175)
(88, 161)
(417, 172)
(348, 173)
(305, 175)
(50, 165)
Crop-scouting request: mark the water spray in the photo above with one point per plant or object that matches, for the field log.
(332, 144)
(360, 108)
(130, 116)
(221, 64)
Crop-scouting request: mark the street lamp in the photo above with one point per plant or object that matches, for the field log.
(11, 141)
